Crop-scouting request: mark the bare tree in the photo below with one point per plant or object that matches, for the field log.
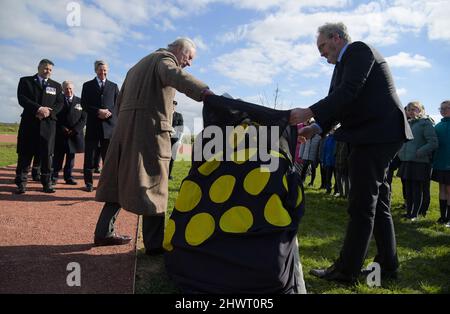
(264, 100)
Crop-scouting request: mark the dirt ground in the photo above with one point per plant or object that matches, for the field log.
(40, 234)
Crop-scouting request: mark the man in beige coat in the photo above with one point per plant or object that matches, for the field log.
(135, 173)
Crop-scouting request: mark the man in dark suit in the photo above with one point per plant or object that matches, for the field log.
(98, 99)
(362, 98)
(175, 138)
(41, 99)
(69, 134)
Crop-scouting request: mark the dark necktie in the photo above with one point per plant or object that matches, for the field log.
(44, 83)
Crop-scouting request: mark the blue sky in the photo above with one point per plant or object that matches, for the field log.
(245, 47)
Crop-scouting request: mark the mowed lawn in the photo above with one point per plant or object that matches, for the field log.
(423, 246)
(8, 154)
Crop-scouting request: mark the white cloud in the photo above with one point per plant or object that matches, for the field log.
(307, 93)
(405, 60)
(401, 91)
(200, 43)
(249, 66)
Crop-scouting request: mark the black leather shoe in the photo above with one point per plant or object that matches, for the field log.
(49, 189)
(155, 252)
(20, 190)
(71, 182)
(89, 188)
(332, 274)
(112, 240)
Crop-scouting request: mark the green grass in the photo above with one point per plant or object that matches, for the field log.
(9, 128)
(423, 246)
(8, 155)
(151, 276)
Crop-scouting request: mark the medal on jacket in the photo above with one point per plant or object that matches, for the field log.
(50, 90)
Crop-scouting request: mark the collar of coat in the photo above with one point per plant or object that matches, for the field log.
(167, 53)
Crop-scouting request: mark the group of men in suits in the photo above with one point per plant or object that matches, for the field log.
(52, 124)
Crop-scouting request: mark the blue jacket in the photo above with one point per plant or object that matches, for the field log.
(329, 150)
(441, 158)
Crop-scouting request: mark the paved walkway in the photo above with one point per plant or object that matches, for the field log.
(40, 234)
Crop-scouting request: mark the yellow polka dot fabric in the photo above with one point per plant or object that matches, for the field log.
(235, 220)
(189, 196)
(228, 197)
(199, 228)
(220, 191)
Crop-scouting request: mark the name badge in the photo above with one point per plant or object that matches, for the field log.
(50, 90)
(78, 107)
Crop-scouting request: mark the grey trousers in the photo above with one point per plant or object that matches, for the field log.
(152, 226)
(300, 282)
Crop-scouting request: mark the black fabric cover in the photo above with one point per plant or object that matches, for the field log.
(234, 228)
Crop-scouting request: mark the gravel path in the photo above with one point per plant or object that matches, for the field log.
(40, 234)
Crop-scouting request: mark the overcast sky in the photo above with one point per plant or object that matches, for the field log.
(245, 47)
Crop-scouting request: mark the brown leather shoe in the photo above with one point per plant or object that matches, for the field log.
(112, 240)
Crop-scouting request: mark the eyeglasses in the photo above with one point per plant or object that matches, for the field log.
(443, 108)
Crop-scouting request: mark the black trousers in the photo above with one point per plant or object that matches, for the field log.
(91, 147)
(98, 155)
(152, 226)
(417, 197)
(58, 160)
(175, 143)
(36, 167)
(323, 175)
(369, 209)
(23, 168)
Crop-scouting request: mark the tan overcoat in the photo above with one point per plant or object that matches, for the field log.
(135, 173)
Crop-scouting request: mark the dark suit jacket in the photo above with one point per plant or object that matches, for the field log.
(178, 125)
(37, 135)
(73, 118)
(363, 99)
(93, 99)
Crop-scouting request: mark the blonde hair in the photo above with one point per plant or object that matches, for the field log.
(418, 105)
